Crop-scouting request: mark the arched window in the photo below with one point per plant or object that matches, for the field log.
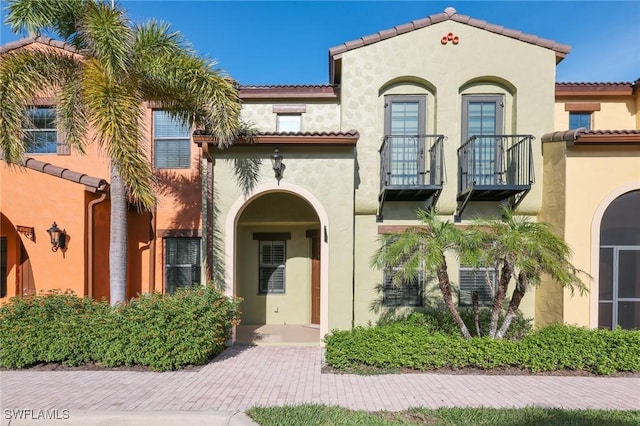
(619, 278)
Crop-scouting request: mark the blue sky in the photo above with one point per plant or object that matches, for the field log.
(272, 42)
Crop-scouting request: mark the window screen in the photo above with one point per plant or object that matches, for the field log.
(172, 142)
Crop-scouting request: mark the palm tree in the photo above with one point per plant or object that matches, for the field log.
(120, 65)
(423, 249)
(521, 250)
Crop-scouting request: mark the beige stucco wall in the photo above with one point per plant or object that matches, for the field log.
(318, 116)
(620, 167)
(326, 173)
(444, 72)
(417, 63)
(615, 113)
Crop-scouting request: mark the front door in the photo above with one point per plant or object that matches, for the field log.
(27, 284)
(314, 235)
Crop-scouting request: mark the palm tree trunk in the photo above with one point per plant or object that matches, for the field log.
(498, 300)
(445, 288)
(476, 312)
(118, 240)
(514, 304)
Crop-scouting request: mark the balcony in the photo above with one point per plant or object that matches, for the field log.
(411, 169)
(494, 168)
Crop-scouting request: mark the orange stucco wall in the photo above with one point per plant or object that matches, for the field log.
(35, 199)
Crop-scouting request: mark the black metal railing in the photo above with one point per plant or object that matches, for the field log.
(495, 160)
(412, 160)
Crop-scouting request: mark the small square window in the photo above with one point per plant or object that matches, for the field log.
(171, 142)
(289, 122)
(406, 293)
(579, 119)
(40, 135)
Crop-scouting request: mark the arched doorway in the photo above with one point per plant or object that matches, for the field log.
(274, 255)
(16, 274)
(619, 263)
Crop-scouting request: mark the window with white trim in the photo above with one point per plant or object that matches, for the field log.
(272, 269)
(289, 122)
(171, 142)
(182, 263)
(40, 133)
(480, 280)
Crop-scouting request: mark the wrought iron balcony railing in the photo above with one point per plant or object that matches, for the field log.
(490, 161)
(411, 160)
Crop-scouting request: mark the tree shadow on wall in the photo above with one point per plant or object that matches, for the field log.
(181, 192)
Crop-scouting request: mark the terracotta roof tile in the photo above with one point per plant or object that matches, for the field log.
(348, 133)
(585, 137)
(40, 39)
(449, 13)
(93, 183)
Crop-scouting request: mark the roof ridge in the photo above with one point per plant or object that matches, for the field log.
(450, 13)
(17, 44)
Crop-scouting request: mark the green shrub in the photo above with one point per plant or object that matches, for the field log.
(569, 347)
(163, 332)
(441, 320)
(408, 344)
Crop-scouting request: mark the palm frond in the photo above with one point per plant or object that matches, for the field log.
(115, 111)
(36, 17)
(24, 75)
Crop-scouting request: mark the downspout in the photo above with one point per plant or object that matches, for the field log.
(152, 252)
(353, 253)
(207, 226)
(89, 259)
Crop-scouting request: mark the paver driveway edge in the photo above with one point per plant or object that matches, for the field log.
(243, 377)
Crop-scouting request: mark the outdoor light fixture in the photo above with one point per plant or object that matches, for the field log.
(57, 236)
(278, 165)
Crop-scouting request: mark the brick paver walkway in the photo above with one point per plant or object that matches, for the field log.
(246, 376)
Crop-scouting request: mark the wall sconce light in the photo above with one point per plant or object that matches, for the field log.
(58, 237)
(278, 165)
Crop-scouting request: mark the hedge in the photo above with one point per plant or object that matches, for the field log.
(163, 332)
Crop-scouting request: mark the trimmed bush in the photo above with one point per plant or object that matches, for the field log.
(163, 332)
(409, 345)
(441, 320)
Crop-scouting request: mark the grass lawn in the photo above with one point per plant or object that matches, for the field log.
(315, 414)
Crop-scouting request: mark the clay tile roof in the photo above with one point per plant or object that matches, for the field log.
(289, 91)
(39, 39)
(585, 137)
(348, 133)
(595, 88)
(349, 137)
(449, 14)
(92, 183)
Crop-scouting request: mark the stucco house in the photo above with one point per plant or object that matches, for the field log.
(446, 111)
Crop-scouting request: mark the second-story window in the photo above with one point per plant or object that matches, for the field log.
(171, 142)
(289, 122)
(405, 118)
(41, 136)
(579, 119)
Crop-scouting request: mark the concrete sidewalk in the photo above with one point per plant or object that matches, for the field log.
(244, 376)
